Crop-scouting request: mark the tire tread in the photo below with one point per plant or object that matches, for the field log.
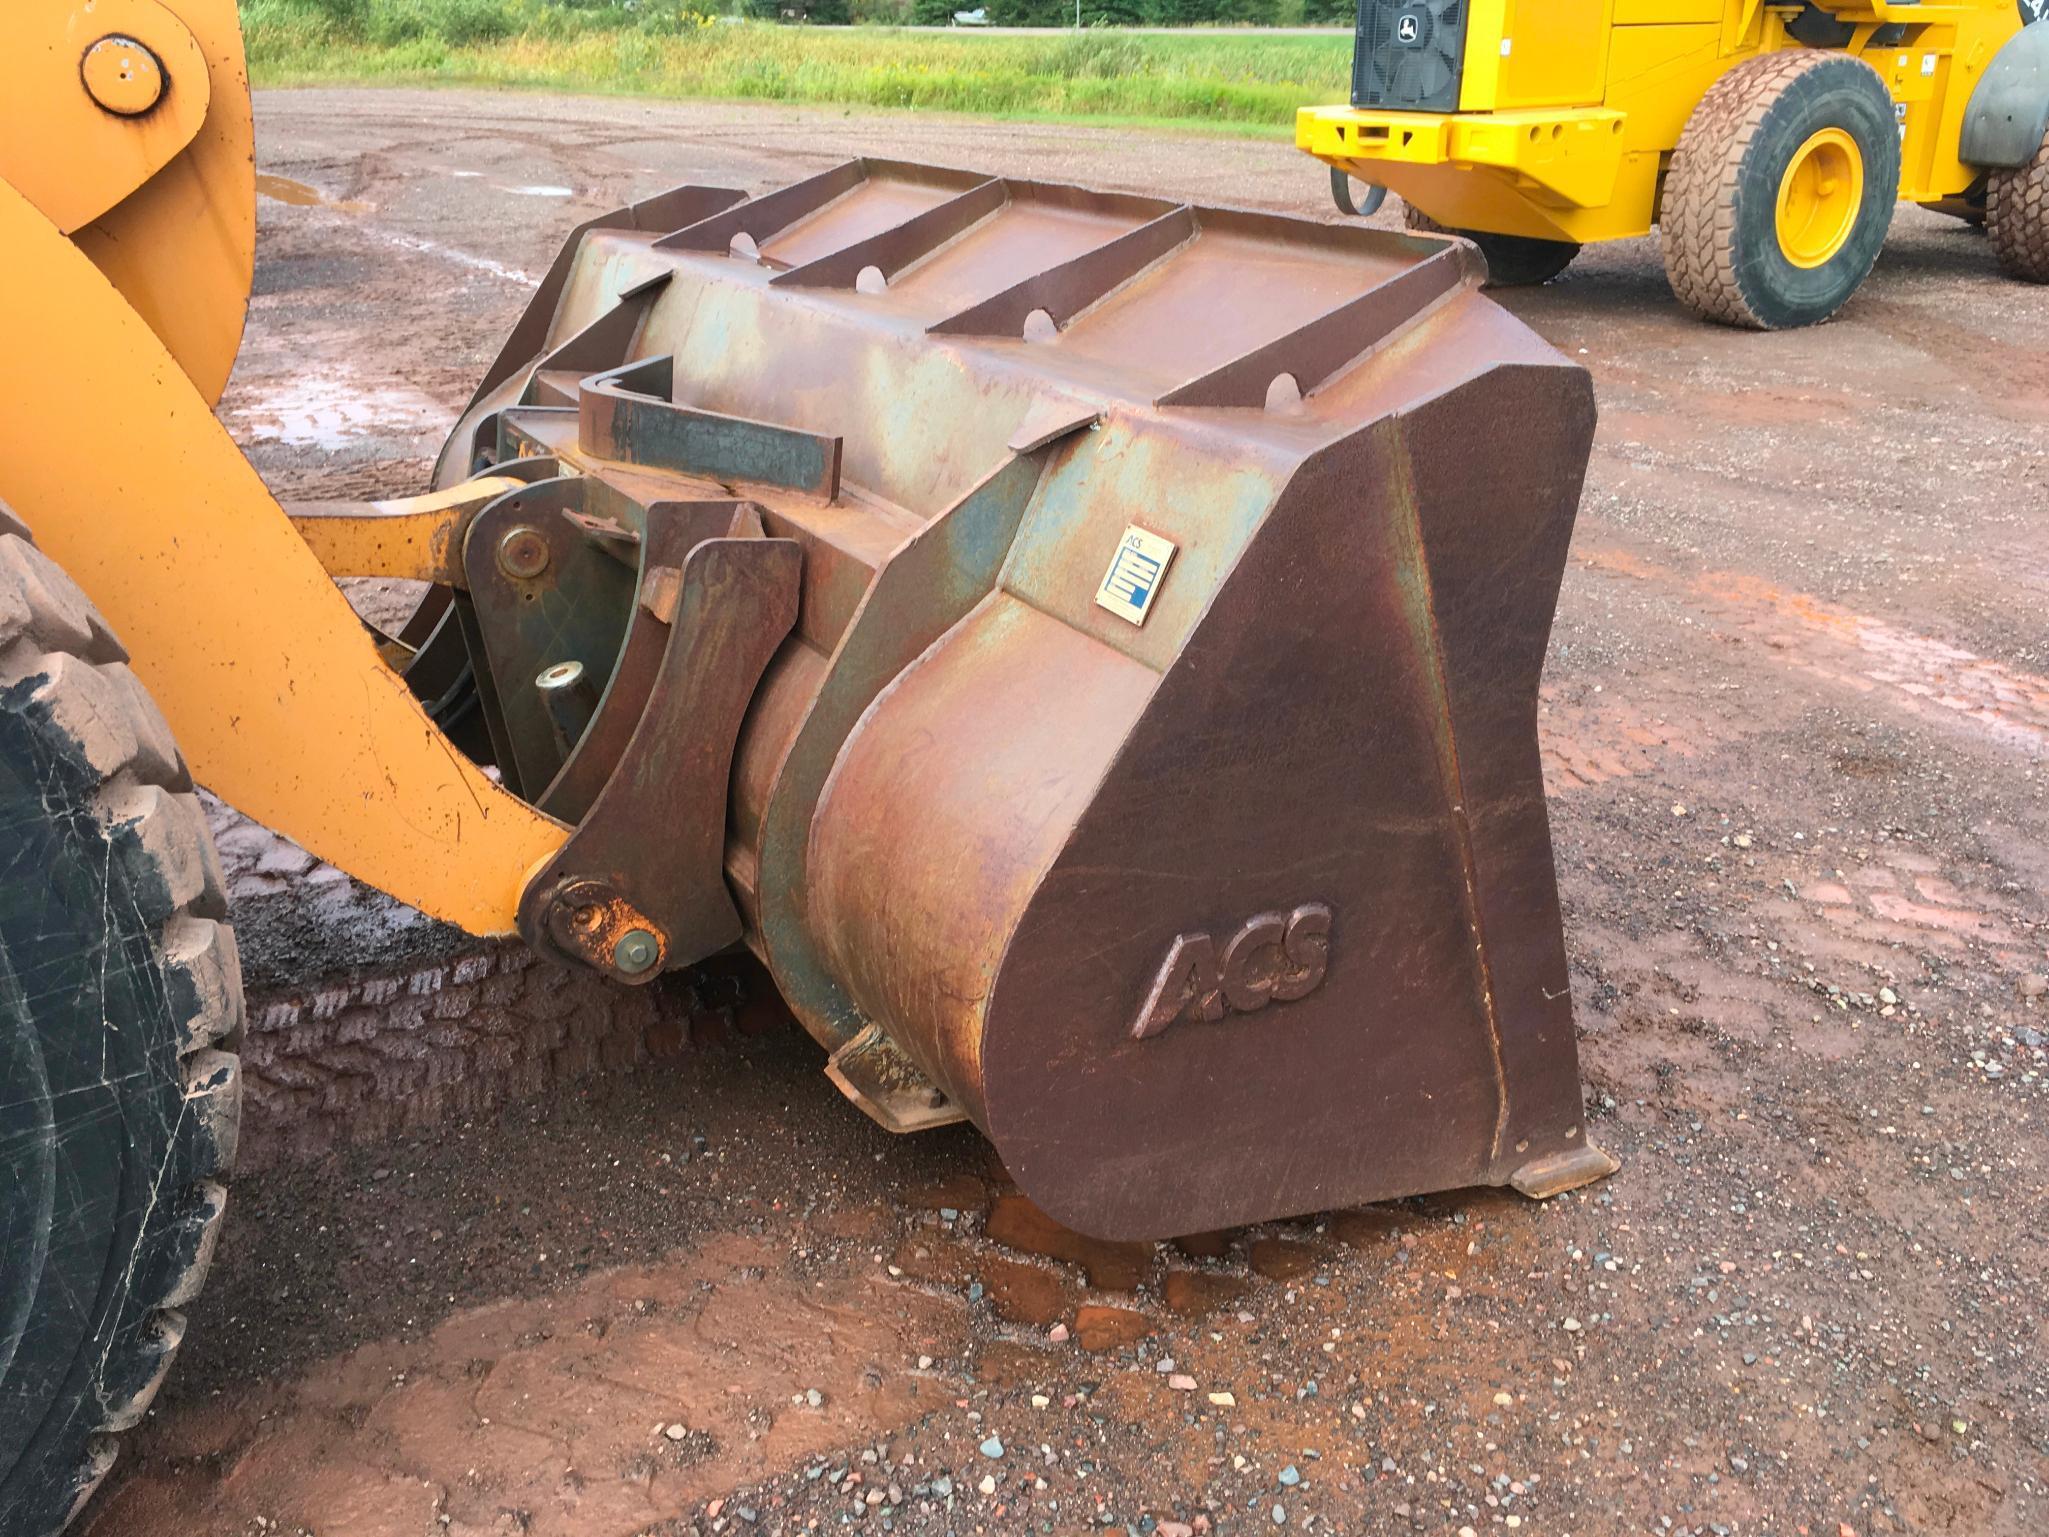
(1697, 219)
(2017, 217)
(157, 829)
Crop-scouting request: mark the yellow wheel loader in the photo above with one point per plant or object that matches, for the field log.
(1767, 143)
(1070, 639)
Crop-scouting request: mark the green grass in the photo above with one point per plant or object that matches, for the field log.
(662, 48)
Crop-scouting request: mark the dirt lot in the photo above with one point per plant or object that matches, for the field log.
(1797, 736)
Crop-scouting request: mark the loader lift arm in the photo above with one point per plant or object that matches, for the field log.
(127, 219)
(276, 690)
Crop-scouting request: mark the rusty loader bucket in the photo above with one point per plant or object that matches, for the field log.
(1086, 646)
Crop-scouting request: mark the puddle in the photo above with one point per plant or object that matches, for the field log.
(470, 259)
(1192, 1293)
(1116, 1267)
(1205, 1245)
(960, 1193)
(542, 191)
(1282, 1259)
(331, 410)
(1097, 1329)
(282, 189)
(1365, 1226)
(1023, 1294)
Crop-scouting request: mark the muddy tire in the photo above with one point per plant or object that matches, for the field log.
(1764, 138)
(1513, 261)
(120, 1007)
(2017, 217)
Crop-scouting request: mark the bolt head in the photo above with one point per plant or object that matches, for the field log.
(122, 76)
(522, 553)
(636, 951)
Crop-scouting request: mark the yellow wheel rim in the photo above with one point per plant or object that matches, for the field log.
(1819, 197)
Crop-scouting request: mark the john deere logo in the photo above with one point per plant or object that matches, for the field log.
(1408, 28)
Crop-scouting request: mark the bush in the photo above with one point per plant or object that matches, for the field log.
(455, 23)
(819, 12)
(1092, 55)
(1211, 13)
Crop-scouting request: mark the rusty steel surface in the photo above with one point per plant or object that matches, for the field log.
(626, 417)
(1130, 745)
(655, 836)
(673, 530)
(538, 592)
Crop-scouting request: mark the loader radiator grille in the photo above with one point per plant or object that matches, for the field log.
(1407, 53)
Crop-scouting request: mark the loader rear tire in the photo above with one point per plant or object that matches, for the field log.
(120, 1007)
(1781, 190)
(2017, 217)
(1513, 261)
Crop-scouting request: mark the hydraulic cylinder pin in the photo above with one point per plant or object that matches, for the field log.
(570, 700)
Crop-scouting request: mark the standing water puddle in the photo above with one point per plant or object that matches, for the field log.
(334, 409)
(282, 189)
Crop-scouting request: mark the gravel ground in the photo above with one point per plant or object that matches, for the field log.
(1796, 733)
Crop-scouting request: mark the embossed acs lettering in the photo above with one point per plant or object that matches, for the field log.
(1272, 958)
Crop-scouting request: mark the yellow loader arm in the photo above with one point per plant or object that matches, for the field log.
(126, 232)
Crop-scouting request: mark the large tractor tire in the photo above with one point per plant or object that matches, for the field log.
(2017, 217)
(1781, 190)
(1513, 261)
(120, 1008)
